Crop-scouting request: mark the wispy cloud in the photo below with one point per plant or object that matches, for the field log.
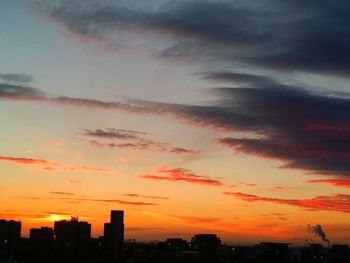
(181, 175)
(200, 220)
(146, 196)
(61, 193)
(17, 78)
(58, 212)
(124, 202)
(335, 182)
(338, 202)
(145, 145)
(113, 133)
(51, 166)
(131, 140)
(289, 124)
(72, 198)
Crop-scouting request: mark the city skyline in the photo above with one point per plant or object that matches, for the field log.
(211, 116)
(71, 241)
(113, 232)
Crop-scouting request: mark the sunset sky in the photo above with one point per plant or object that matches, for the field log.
(194, 116)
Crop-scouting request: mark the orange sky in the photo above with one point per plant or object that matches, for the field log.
(156, 120)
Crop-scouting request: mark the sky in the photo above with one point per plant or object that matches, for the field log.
(193, 116)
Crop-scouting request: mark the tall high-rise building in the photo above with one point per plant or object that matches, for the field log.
(10, 237)
(41, 245)
(72, 239)
(113, 234)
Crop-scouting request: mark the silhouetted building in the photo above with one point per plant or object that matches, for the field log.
(113, 235)
(273, 252)
(206, 243)
(72, 239)
(177, 244)
(10, 237)
(316, 253)
(41, 245)
(245, 254)
(340, 254)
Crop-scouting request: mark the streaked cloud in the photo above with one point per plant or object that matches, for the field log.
(181, 175)
(61, 193)
(288, 124)
(200, 220)
(77, 199)
(51, 166)
(131, 140)
(123, 202)
(335, 182)
(17, 78)
(146, 196)
(338, 202)
(113, 133)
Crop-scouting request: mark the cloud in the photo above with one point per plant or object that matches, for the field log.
(336, 182)
(146, 196)
(200, 220)
(62, 213)
(133, 140)
(61, 193)
(19, 92)
(112, 133)
(279, 187)
(74, 199)
(20, 160)
(251, 33)
(236, 77)
(123, 202)
(338, 202)
(181, 175)
(17, 78)
(151, 145)
(51, 166)
(23, 216)
(301, 129)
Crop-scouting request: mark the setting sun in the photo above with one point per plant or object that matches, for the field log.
(55, 217)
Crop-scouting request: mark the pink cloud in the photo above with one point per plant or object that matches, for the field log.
(345, 183)
(338, 202)
(51, 166)
(181, 175)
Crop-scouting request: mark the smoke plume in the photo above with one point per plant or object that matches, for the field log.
(317, 229)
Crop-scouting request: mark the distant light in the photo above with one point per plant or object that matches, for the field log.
(55, 217)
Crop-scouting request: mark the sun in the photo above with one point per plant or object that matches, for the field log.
(55, 217)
